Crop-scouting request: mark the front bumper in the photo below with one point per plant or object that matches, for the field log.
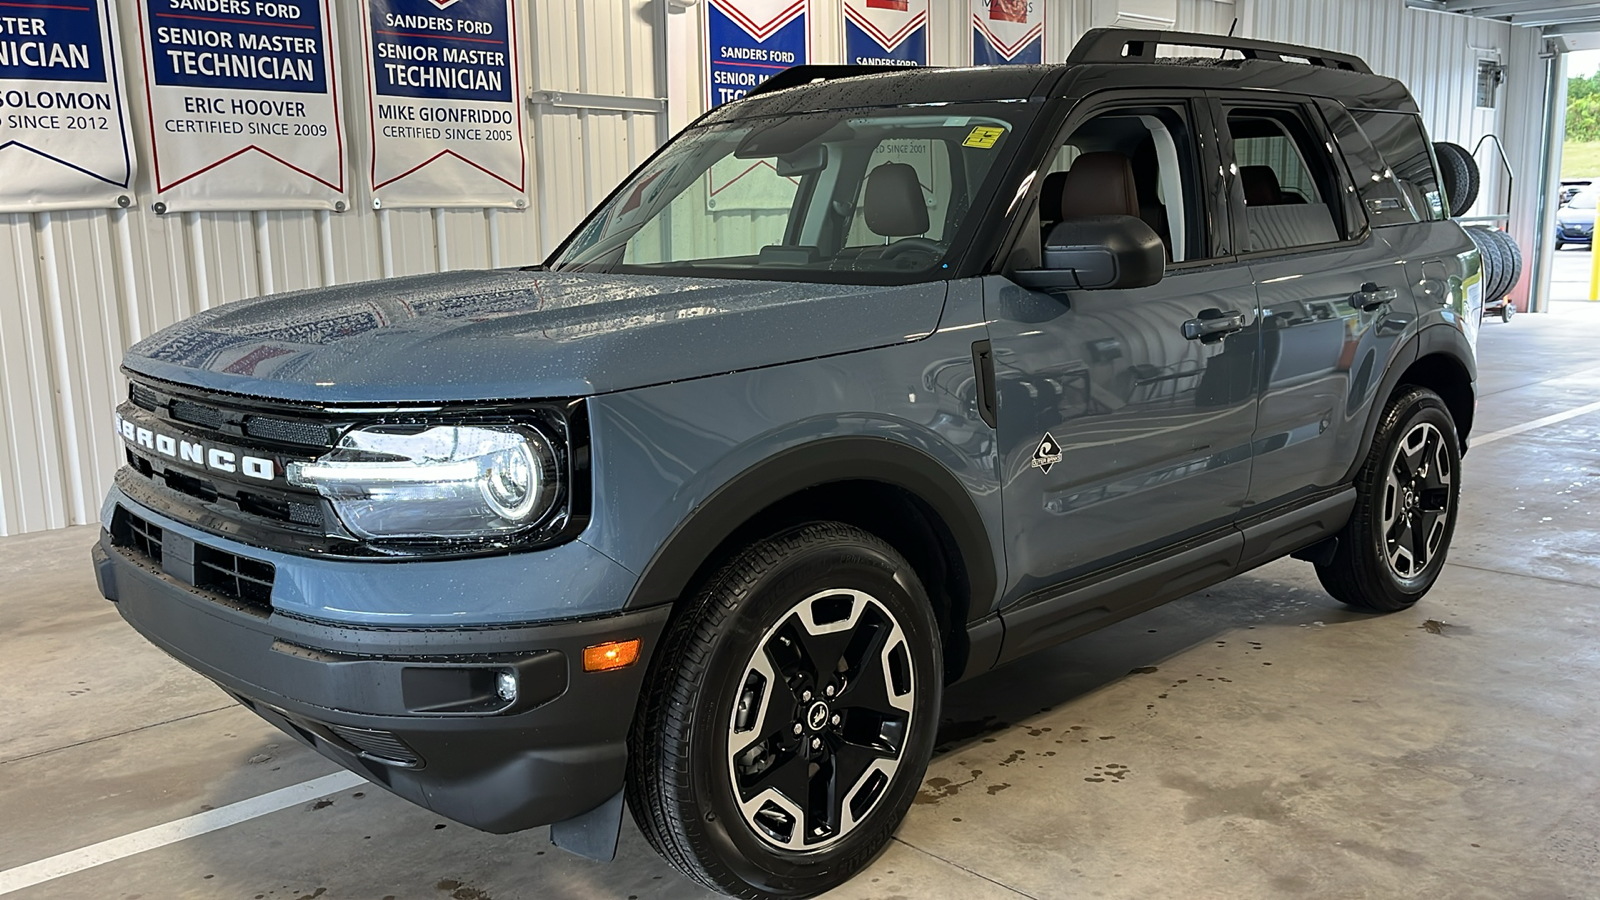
(414, 710)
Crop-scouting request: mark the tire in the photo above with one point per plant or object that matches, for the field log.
(1559, 245)
(1500, 282)
(1513, 259)
(1417, 443)
(1461, 177)
(1489, 253)
(723, 815)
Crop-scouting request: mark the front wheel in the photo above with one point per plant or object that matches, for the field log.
(790, 715)
(1393, 548)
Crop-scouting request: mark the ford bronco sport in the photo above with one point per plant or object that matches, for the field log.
(865, 384)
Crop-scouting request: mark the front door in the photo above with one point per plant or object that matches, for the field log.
(1118, 433)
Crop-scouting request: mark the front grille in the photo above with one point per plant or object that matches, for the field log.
(145, 398)
(380, 745)
(128, 530)
(197, 414)
(235, 577)
(283, 431)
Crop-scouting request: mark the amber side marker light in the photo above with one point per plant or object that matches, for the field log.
(611, 655)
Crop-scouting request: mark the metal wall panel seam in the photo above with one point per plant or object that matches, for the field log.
(127, 281)
(65, 413)
(264, 281)
(197, 259)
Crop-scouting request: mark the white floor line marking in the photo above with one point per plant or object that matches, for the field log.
(1514, 430)
(172, 832)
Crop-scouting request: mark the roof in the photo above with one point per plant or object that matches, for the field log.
(1103, 58)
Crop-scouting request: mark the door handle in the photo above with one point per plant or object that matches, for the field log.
(1213, 325)
(1371, 297)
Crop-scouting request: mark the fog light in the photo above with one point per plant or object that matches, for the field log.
(611, 655)
(505, 686)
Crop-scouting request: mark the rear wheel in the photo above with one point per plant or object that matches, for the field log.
(1393, 548)
(790, 717)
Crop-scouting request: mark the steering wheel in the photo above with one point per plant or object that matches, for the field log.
(913, 244)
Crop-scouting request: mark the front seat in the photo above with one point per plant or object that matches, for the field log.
(1100, 184)
(894, 206)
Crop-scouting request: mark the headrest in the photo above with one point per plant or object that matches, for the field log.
(1050, 197)
(1100, 184)
(1261, 186)
(894, 205)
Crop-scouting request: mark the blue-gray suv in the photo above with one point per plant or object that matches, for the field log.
(862, 385)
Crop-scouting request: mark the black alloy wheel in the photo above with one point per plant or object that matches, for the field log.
(1416, 500)
(821, 723)
(789, 715)
(1407, 491)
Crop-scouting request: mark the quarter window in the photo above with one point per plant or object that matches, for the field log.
(1403, 144)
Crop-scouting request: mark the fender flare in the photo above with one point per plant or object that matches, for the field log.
(1435, 340)
(831, 460)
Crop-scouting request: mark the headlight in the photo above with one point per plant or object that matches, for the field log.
(443, 482)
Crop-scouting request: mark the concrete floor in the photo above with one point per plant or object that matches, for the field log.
(1255, 740)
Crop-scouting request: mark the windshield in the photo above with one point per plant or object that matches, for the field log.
(872, 196)
(1584, 200)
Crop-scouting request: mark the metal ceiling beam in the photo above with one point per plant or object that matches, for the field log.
(1533, 12)
(1572, 28)
(1502, 8)
(1534, 20)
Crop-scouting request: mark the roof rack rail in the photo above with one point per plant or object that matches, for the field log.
(794, 76)
(1126, 45)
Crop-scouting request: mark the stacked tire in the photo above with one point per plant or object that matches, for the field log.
(1461, 177)
(1502, 266)
(1502, 258)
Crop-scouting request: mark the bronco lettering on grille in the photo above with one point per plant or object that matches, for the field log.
(197, 454)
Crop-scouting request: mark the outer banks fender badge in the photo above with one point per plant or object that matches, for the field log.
(1048, 454)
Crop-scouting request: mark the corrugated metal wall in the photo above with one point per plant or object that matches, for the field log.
(87, 284)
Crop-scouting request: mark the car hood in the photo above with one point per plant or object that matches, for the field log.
(1568, 215)
(522, 335)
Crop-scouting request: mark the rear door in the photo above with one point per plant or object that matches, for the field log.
(1327, 286)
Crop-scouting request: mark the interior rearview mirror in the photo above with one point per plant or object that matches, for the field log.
(805, 161)
(1099, 253)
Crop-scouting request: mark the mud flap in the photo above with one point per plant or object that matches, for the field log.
(594, 834)
(1321, 553)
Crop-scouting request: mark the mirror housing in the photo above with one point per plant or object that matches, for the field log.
(1099, 253)
(808, 160)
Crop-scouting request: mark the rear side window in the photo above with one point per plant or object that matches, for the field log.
(1401, 141)
(1291, 188)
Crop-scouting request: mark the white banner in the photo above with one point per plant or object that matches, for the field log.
(244, 104)
(64, 141)
(444, 100)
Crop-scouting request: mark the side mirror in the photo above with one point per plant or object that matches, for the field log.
(1099, 253)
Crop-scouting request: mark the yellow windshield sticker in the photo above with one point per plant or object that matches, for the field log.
(983, 137)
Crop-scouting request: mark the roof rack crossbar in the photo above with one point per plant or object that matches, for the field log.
(1126, 45)
(794, 76)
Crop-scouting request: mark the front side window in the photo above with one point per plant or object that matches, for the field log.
(1401, 141)
(1291, 192)
(1135, 161)
(875, 196)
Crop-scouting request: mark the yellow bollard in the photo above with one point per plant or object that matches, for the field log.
(1594, 273)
